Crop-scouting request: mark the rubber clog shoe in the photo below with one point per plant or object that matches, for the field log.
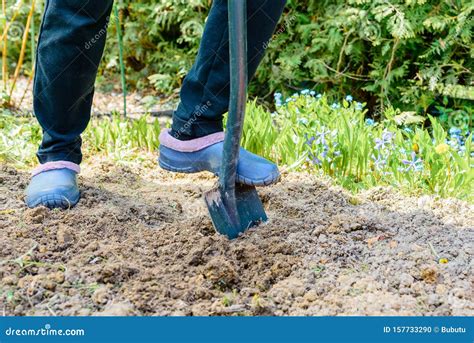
(55, 188)
(252, 169)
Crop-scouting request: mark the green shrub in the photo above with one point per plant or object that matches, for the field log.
(403, 53)
(410, 54)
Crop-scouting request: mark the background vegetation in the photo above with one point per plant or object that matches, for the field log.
(413, 54)
(407, 62)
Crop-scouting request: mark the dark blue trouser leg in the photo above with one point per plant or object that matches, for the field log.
(70, 47)
(205, 91)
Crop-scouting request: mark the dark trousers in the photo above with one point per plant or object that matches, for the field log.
(70, 47)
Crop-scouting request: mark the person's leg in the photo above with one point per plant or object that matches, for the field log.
(71, 43)
(206, 89)
(195, 142)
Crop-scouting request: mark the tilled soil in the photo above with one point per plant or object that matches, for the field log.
(141, 243)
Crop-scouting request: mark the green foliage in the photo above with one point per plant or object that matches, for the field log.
(19, 139)
(160, 55)
(122, 138)
(399, 52)
(334, 139)
(402, 53)
(306, 133)
(409, 54)
(116, 137)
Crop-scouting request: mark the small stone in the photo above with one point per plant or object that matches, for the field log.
(117, 310)
(322, 238)
(406, 280)
(24, 281)
(434, 299)
(101, 296)
(49, 285)
(64, 235)
(318, 230)
(311, 296)
(459, 293)
(441, 289)
(57, 277)
(10, 280)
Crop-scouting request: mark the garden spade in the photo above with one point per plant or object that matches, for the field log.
(234, 207)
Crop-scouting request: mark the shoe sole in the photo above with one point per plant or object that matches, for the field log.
(273, 178)
(53, 201)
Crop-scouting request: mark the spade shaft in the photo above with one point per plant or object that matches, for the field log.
(238, 98)
(238, 91)
(233, 207)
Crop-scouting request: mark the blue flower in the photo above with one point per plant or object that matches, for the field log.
(408, 130)
(379, 162)
(349, 98)
(312, 93)
(454, 131)
(453, 143)
(303, 121)
(382, 142)
(324, 154)
(309, 141)
(359, 106)
(416, 164)
(319, 96)
(305, 91)
(322, 136)
(278, 97)
(316, 161)
(335, 106)
(313, 158)
(369, 122)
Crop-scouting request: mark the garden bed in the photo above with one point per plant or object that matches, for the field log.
(140, 242)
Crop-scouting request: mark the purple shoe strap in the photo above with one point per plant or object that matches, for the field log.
(56, 165)
(192, 145)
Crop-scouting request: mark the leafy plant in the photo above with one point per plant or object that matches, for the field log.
(308, 132)
(407, 54)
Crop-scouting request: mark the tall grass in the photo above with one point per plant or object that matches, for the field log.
(116, 137)
(336, 139)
